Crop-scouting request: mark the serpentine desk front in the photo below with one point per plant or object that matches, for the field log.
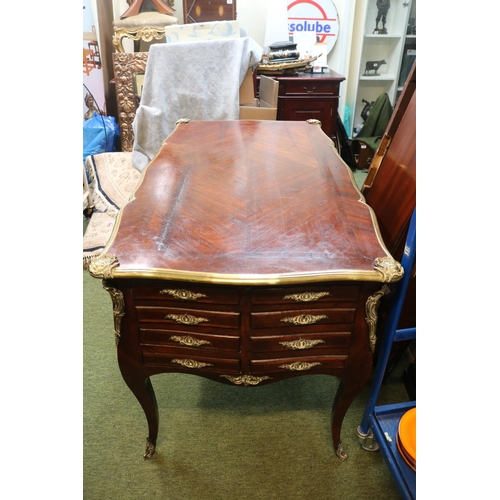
(247, 255)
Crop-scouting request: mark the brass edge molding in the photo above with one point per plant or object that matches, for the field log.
(246, 380)
(125, 66)
(245, 279)
(103, 266)
(299, 366)
(371, 309)
(306, 296)
(390, 269)
(118, 308)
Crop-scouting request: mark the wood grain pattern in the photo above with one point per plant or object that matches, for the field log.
(247, 198)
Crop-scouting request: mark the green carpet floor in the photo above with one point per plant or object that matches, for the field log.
(216, 441)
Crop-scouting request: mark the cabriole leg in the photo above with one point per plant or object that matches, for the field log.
(143, 391)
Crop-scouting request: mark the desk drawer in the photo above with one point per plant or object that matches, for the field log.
(189, 340)
(194, 364)
(304, 318)
(309, 295)
(303, 365)
(188, 293)
(316, 88)
(299, 343)
(174, 317)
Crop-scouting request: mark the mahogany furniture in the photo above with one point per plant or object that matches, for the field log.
(390, 188)
(310, 96)
(246, 256)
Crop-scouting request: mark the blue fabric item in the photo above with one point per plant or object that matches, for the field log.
(100, 134)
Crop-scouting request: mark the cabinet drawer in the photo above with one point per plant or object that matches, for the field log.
(187, 293)
(305, 295)
(303, 318)
(174, 317)
(303, 365)
(195, 364)
(190, 340)
(300, 343)
(316, 88)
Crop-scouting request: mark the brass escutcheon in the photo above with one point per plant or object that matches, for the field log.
(299, 366)
(189, 341)
(186, 319)
(306, 296)
(302, 343)
(304, 319)
(191, 363)
(182, 294)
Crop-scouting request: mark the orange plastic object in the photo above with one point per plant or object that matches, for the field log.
(407, 433)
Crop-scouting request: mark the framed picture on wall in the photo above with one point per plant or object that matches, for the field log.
(197, 11)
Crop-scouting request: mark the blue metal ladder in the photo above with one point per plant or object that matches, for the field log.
(379, 424)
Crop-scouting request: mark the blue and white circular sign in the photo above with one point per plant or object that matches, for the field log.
(318, 16)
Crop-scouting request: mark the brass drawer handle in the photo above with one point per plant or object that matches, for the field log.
(186, 319)
(302, 343)
(304, 319)
(183, 294)
(299, 366)
(189, 341)
(309, 91)
(306, 296)
(191, 363)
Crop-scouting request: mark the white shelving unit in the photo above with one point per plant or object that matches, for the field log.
(370, 46)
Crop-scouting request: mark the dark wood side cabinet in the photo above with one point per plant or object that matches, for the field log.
(246, 256)
(307, 96)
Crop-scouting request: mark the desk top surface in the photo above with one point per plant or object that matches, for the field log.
(256, 202)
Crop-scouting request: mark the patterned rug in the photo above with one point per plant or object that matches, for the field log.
(112, 180)
(97, 235)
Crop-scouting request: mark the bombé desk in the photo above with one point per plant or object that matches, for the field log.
(247, 256)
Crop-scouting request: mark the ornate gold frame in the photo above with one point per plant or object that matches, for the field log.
(145, 33)
(126, 67)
